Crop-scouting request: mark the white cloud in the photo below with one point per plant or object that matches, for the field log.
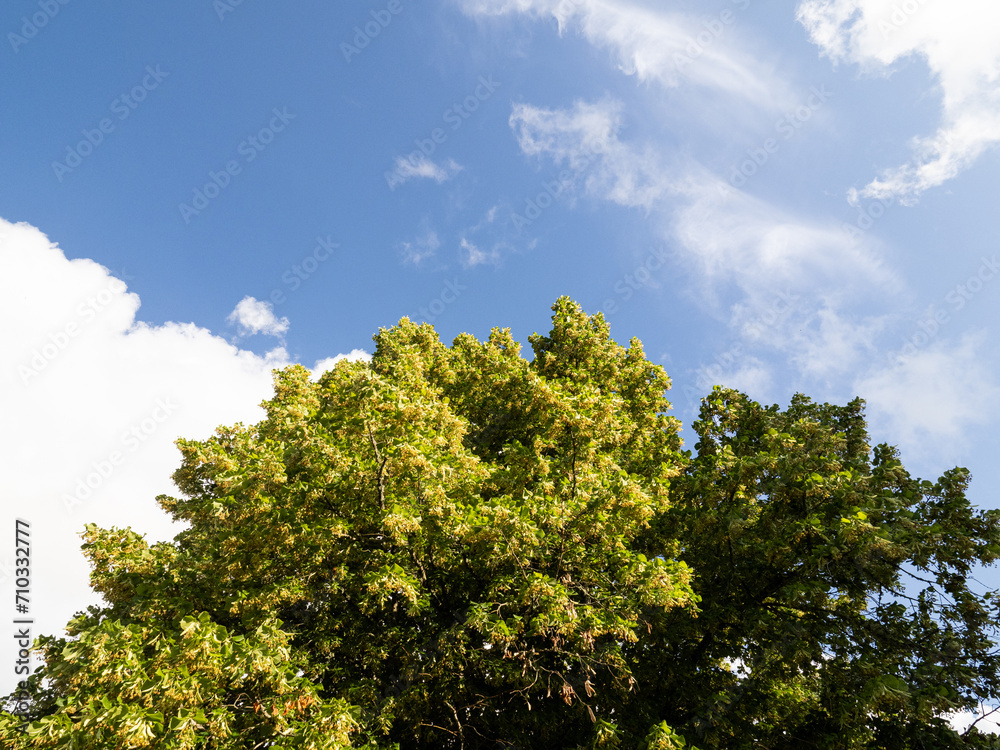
(475, 256)
(731, 241)
(654, 44)
(418, 165)
(575, 136)
(423, 246)
(834, 341)
(745, 373)
(499, 237)
(806, 289)
(355, 355)
(935, 394)
(254, 316)
(585, 139)
(735, 235)
(960, 41)
(988, 722)
(92, 402)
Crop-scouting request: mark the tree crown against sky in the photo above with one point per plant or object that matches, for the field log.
(455, 547)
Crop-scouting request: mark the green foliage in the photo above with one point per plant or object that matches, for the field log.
(834, 601)
(454, 547)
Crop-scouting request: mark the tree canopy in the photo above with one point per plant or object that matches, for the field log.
(456, 547)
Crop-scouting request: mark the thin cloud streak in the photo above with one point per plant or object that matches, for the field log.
(658, 46)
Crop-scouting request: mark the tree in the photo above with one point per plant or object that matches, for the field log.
(835, 607)
(454, 547)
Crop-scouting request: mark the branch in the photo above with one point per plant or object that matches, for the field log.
(381, 468)
(985, 714)
(461, 736)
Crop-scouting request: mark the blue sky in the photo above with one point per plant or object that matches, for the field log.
(781, 197)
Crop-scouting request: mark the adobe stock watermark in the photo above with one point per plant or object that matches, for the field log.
(786, 127)
(363, 35)
(250, 148)
(713, 30)
(450, 292)
(300, 272)
(899, 17)
(551, 189)
(455, 116)
(30, 26)
(122, 108)
(867, 215)
(956, 298)
(23, 620)
(57, 341)
(103, 469)
(641, 277)
(781, 307)
(534, 206)
(224, 7)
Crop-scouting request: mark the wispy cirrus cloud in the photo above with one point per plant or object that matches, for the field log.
(423, 246)
(934, 394)
(659, 45)
(421, 166)
(741, 251)
(842, 292)
(960, 42)
(840, 297)
(473, 255)
(585, 139)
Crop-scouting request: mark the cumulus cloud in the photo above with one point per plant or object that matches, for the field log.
(659, 45)
(418, 165)
(254, 316)
(355, 355)
(92, 401)
(960, 42)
